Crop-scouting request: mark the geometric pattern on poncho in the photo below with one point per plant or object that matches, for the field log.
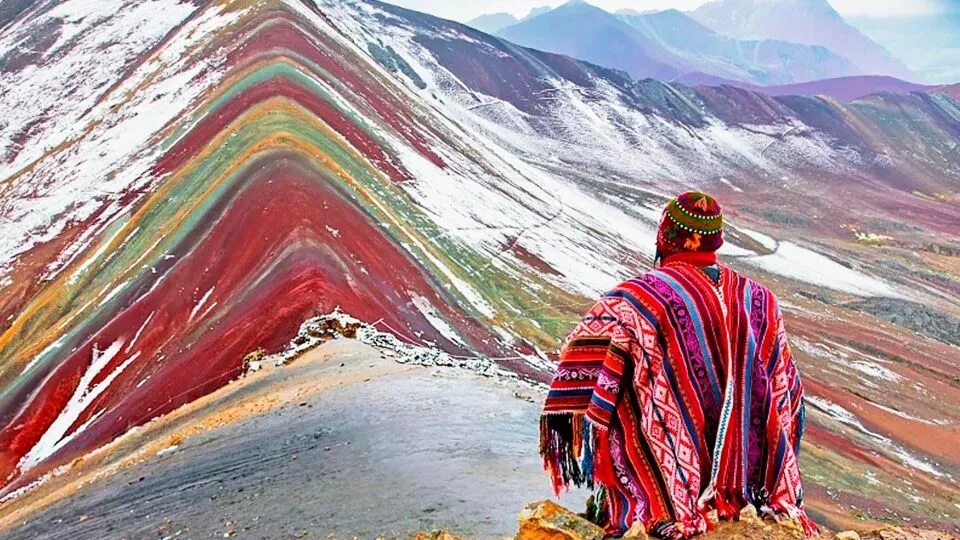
(678, 397)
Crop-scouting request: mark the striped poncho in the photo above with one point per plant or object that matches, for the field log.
(678, 395)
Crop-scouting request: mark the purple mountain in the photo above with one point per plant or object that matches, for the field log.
(952, 89)
(841, 88)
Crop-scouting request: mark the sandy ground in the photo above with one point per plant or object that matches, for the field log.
(342, 443)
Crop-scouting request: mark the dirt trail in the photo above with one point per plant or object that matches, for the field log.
(342, 442)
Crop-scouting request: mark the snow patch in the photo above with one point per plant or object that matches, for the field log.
(200, 303)
(802, 264)
(139, 331)
(767, 242)
(844, 416)
(168, 450)
(436, 321)
(875, 371)
(85, 393)
(730, 184)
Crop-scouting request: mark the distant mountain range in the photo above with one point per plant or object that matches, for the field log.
(745, 42)
(589, 33)
(810, 22)
(767, 61)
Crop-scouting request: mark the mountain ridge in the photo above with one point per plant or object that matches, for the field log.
(842, 88)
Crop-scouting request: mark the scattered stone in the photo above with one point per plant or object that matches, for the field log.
(546, 520)
(337, 324)
(637, 532)
(847, 535)
(792, 526)
(435, 535)
(327, 328)
(749, 513)
(254, 360)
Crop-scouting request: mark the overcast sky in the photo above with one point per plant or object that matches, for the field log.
(463, 10)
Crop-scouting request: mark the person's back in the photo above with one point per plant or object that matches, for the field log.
(677, 393)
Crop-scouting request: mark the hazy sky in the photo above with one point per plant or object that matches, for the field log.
(462, 10)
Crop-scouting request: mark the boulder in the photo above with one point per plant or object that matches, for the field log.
(749, 513)
(546, 520)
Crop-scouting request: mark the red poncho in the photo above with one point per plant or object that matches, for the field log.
(679, 395)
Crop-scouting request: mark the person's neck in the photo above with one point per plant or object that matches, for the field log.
(691, 257)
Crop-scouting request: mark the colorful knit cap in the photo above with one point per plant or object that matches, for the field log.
(693, 221)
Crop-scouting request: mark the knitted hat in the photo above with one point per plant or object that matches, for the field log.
(693, 221)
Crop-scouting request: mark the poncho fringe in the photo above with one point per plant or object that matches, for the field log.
(568, 444)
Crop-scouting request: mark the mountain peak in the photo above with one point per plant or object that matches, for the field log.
(535, 12)
(579, 4)
(570, 8)
(627, 12)
(492, 22)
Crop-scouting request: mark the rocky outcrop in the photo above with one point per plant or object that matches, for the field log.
(901, 533)
(917, 317)
(545, 520)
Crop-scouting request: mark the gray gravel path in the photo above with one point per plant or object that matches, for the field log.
(421, 449)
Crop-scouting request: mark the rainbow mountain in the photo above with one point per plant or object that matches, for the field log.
(184, 183)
